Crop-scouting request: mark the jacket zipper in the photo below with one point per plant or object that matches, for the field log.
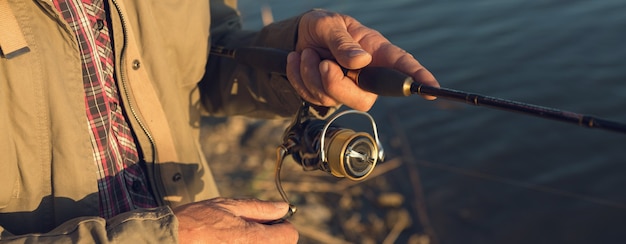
(123, 70)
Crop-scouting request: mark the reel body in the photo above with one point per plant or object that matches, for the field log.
(319, 145)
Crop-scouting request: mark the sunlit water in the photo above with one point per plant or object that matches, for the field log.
(501, 177)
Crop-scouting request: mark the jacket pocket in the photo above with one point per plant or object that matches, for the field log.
(8, 167)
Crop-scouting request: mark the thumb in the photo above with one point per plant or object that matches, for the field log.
(346, 50)
(257, 210)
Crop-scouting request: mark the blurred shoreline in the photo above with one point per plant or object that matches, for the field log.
(484, 168)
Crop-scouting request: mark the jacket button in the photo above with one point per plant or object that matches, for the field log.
(136, 64)
(177, 177)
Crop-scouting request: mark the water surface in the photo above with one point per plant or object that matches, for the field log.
(498, 177)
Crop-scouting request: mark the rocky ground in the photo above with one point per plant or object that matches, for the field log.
(382, 209)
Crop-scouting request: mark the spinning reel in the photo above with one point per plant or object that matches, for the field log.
(320, 145)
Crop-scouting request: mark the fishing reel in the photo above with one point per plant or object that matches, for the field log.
(319, 145)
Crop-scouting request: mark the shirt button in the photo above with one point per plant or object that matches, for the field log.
(136, 186)
(99, 24)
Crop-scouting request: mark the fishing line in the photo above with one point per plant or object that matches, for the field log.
(521, 184)
(500, 179)
(421, 205)
(416, 181)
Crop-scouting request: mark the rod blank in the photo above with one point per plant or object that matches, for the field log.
(388, 82)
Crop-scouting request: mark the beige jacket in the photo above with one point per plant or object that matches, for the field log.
(48, 177)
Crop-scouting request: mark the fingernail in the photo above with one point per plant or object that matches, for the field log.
(305, 53)
(356, 52)
(324, 67)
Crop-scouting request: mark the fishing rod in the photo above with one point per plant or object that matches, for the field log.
(319, 145)
(388, 82)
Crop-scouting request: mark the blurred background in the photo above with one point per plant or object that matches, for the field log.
(457, 173)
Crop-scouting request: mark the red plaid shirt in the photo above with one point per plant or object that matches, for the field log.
(122, 183)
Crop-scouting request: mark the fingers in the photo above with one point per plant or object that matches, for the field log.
(410, 66)
(343, 39)
(425, 77)
(304, 75)
(335, 33)
(346, 50)
(311, 78)
(294, 77)
(323, 82)
(222, 220)
(258, 212)
(343, 88)
(254, 209)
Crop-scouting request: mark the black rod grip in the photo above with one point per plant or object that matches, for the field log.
(269, 59)
(382, 81)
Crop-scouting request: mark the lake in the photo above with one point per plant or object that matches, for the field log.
(491, 176)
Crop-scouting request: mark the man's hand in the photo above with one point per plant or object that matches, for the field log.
(222, 220)
(327, 40)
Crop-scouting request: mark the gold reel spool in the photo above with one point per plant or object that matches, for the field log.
(351, 154)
